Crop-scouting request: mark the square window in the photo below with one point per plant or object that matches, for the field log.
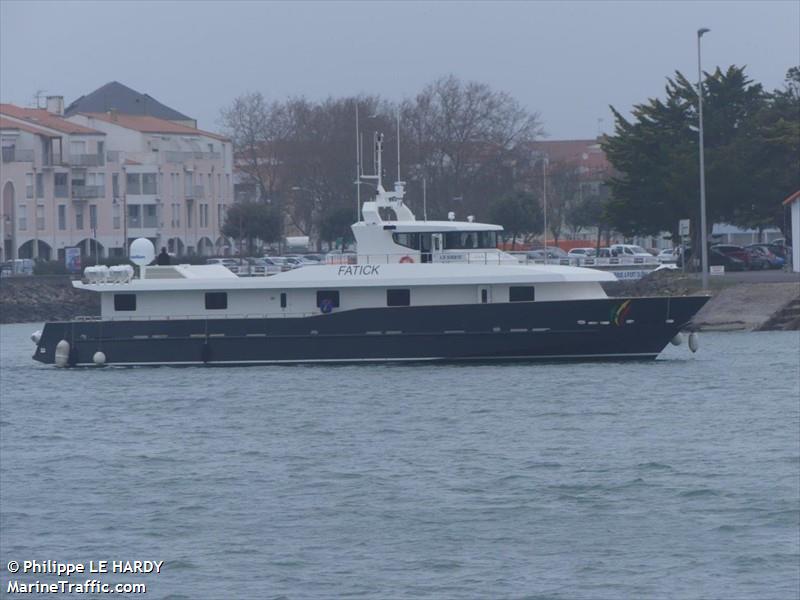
(398, 297)
(521, 293)
(216, 300)
(327, 300)
(124, 302)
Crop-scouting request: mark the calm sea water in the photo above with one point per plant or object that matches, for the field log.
(678, 478)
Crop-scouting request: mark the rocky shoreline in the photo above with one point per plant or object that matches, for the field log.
(753, 306)
(44, 298)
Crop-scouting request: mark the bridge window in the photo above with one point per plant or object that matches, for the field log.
(398, 297)
(216, 300)
(409, 240)
(520, 293)
(124, 302)
(470, 240)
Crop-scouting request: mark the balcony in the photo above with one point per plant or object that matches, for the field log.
(112, 156)
(175, 156)
(12, 154)
(196, 192)
(87, 160)
(84, 192)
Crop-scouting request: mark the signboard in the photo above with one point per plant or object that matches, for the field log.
(683, 227)
(72, 259)
(716, 270)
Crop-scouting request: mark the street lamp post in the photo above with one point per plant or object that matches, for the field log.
(703, 240)
(544, 198)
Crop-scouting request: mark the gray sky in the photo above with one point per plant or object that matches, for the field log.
(566, 60)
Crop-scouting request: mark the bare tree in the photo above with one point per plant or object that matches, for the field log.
(258, 129)
(466, 140)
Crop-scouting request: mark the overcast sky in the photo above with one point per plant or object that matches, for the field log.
(566, 60)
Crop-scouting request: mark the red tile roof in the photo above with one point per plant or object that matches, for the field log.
(792, 198)
(148, 124)
(6, 123)
(585, 153)
(39, 116)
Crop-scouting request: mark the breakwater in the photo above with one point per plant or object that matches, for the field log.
(44, 298)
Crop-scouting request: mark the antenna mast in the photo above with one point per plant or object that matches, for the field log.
(398, 145)
(358, 169)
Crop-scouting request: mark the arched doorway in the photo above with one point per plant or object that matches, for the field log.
(9, 224)
(91, 249)
(45, 251)
(222, 246)
(205, 247)
(175, 246)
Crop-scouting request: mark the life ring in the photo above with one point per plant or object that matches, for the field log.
(406, 259)
(326, 306)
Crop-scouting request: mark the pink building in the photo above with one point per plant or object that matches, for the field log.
(99, 180)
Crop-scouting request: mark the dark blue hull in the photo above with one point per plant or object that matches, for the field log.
(613, 328)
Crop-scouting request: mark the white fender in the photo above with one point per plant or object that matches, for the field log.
(62, 353)
(99, 358)
(694, 342)
(36, 336)
(677, 340)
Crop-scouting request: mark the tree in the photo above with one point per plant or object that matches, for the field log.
(466, 140)
(517, 212)
(655, 155)
(251, 221)
(258, 129)
(563, 183)
(334, 224)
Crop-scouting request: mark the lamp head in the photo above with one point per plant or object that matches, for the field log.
(700, 32)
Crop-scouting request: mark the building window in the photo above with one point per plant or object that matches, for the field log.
(98, 181)
(283, 299)
(521, 293)
(93, 217)
(133, 184)
(78, 217)
(62, 217)
(134, 215)
(115, 212)
(188, 215)
(115, 185)
(150, 218)
(398, 297)
(327, 300)
(40, 217)
(23, 217)
(216, 300)
(29, 185)
(61, 185)
(124, 302)
(149, 184)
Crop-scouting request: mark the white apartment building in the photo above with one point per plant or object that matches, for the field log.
(99, 180)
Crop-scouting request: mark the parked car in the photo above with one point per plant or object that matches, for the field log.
(337, 257)
(764, 253)
(551, 254)
(630, 250)
(731, 263)
(606, 253)
(668, 256)
(581, 252)
(263, 266)
(231, 263)
(738, 252)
